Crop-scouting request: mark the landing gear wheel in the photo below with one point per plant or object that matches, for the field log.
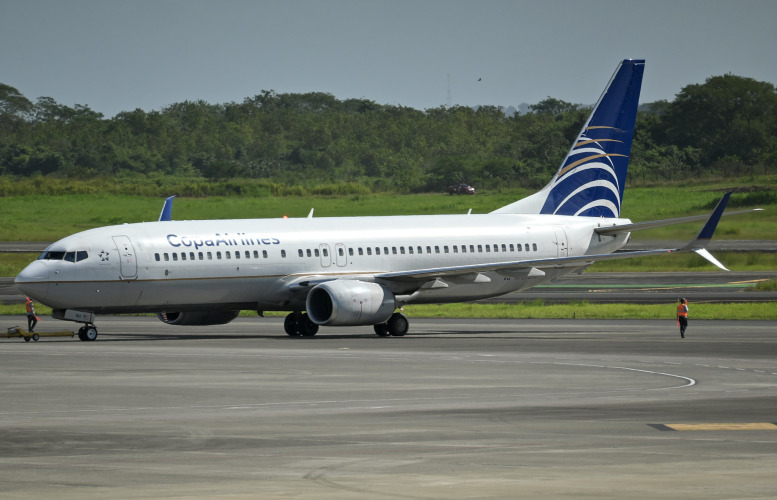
(35, 337)
(306, 327)
(291, 325)
(87, 333)
(381, 329)
(26, 339)
(397, 325)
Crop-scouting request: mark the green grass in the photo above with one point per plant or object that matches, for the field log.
(51, 217)
(538, 310)
(585, 310)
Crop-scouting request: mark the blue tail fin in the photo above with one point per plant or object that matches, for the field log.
(591, 178)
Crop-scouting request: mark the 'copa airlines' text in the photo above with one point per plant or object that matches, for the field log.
(225, 239)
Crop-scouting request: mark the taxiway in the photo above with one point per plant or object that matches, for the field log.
(457, 409)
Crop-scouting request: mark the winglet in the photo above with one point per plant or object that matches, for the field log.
(705, 235)
(699, 245)
(167, 210)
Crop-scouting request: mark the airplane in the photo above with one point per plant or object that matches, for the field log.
(360, 271)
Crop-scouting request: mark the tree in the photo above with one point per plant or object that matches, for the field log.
(726, 116)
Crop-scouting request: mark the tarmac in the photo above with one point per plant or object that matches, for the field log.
(456, 409)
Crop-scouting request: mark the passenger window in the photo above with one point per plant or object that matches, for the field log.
(237, 254)
(393, 250)
(369, 251)
(361, 251)
(325, 252)
(191, 255)
(480, 248)
(264, 253)
(534, 246)
(385, 250)
(420, 250)
(402, 250)
(472, 249)
(428, 250)
(340, 252)
(512, 247)
(377, 250)
(156, 257)
(526, 247)
(248, 254)
(410, 250)
(283, 254)
(504, 247)
(463, 248)
(183, 255)
(199, 255)
(167, 257)
(218, 255)
(519, 247)
(488, 248)
(309, 253)
(301, 254)
(445, 249)
(210, 256)
(350, 252)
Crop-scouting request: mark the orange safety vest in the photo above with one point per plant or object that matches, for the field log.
(682, 310)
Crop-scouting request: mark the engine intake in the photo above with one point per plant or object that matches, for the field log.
(349, 303)
(198, 317)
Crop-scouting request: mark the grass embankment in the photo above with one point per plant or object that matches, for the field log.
(540, 310)
(52, 216)
(42, 217)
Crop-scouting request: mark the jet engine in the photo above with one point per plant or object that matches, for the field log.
(198, 317)
(349, 303)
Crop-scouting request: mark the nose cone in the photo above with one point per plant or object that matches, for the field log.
(33, 281)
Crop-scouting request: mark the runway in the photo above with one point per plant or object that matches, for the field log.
(458, 409)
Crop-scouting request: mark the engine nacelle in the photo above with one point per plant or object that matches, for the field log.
(198, 317)
(349, 303)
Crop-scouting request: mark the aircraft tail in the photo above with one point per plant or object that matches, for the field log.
(592, 177)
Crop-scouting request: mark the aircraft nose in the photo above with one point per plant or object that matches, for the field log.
(33, 280)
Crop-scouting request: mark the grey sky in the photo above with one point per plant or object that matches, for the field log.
(120, 55)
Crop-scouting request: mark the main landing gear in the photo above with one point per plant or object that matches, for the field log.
(87, 333)
(396, 326)
(298, 324)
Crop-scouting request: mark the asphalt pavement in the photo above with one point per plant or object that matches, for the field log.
(457, 409)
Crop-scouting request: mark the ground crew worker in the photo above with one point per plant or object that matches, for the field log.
(32, 320)
(682, 316)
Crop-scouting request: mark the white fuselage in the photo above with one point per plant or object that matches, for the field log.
(256, 263)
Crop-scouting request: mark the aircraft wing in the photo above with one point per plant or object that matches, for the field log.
(527, 267)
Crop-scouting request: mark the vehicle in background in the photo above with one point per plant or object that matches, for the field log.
(460, 189)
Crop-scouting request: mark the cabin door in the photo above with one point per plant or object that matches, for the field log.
(127, 261)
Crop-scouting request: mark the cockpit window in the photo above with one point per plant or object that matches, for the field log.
(77, 256)
(53, 255)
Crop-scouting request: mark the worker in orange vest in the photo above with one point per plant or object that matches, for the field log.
(32, 320)
(682, 316)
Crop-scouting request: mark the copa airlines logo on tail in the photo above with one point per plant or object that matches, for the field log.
(591, 179)
(587, 184)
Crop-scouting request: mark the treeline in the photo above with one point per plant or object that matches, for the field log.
(724, 127)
